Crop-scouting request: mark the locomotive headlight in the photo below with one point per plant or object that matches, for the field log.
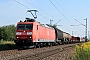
(29, 33)
(30, 37)
(18, 37)
(18, 33)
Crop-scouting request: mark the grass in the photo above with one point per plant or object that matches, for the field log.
(7, 45)
(6, 42)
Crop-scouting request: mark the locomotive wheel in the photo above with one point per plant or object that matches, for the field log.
(49, 44)
(62, 41)
(44, 44)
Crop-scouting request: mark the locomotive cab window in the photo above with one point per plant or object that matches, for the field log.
(24, 26)
(28, 27)
(37, 27)
(20, 27)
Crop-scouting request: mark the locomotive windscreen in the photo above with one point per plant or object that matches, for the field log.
(24, 26)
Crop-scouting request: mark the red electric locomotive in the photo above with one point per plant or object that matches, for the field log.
(31, 32)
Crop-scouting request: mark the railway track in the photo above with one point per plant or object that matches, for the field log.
(38, 56)
(33, 54)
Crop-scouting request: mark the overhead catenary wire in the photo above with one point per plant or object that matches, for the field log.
(66, 12)
(41, 10)
(29, 8)
(63, 8)
(59, 10)
(69, 14)
(38, 8)
(58, 21)
(80, 22)
(21, 4)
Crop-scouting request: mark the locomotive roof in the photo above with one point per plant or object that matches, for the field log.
(25, 22)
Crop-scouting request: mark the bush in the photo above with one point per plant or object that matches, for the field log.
(82, 52)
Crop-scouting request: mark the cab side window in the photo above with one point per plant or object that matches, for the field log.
(37, 27)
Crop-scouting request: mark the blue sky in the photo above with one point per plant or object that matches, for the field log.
(11, 12)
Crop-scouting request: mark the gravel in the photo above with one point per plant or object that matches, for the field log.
(64, 54)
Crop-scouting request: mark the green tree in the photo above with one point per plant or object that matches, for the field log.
(7, 32)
